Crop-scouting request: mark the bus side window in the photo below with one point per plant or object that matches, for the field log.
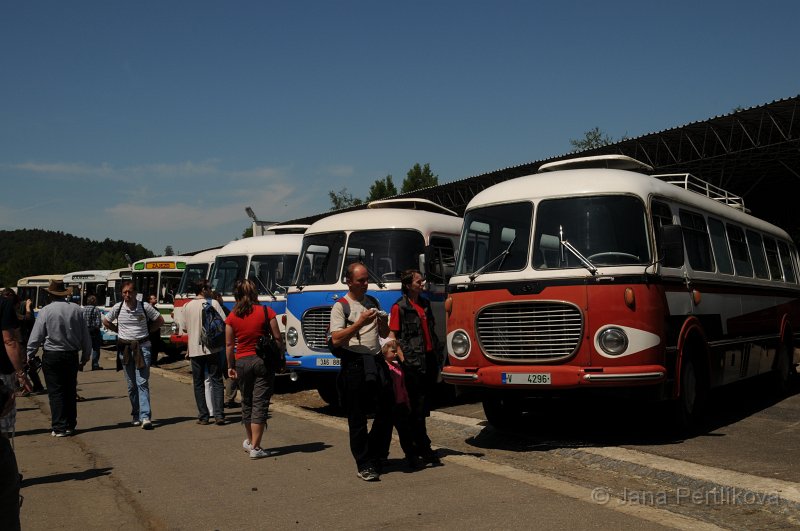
(719, 244)
(695, 238)
(741, 258)
(786, 262)
(662, 216)
(757, 254)
(773, 262)
(442, 260)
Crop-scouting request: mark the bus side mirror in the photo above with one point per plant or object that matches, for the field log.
(671, 246)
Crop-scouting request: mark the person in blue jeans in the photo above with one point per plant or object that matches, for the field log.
(134, 322)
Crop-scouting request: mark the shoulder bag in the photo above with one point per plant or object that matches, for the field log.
(267, 348)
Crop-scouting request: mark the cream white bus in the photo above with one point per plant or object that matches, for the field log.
(611, 279)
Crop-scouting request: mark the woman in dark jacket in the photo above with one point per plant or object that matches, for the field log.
(412, 325)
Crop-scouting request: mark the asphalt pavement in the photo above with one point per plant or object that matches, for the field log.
(182, 475)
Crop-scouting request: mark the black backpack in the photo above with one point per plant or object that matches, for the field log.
(369, 303)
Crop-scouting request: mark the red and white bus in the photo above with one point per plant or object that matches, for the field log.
(609, 278)
(198, 267)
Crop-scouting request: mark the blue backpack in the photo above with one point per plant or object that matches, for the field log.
(212, 334)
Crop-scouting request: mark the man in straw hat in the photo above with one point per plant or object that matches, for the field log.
(62, 331)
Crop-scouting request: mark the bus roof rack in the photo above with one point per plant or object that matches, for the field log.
(612, 162)
(689, 182)
(412, 203)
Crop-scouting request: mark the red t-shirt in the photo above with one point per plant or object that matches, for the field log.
(394, 323)
(248, 329)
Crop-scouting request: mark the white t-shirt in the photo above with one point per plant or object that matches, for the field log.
(366, 340)
(193, 325)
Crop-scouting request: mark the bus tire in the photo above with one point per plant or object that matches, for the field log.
(503, 410)
(328, 392)
(689, 408)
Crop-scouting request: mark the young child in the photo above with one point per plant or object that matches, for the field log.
(393, 355)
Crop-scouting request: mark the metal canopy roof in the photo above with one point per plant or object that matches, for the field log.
(754, 153)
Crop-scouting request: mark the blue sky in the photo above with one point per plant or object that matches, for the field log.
(157, 122)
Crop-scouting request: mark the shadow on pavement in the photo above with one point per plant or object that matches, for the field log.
(90, 473)
(305, 448)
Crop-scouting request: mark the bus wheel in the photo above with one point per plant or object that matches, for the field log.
(326, 387)
(690, 404)
(502, 410)
(783, 371)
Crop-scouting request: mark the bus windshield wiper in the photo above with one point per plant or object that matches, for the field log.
(375, 277)
(269, 291)
(501, 257)
(571, 248)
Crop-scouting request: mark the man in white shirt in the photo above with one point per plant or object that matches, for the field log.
(359, 335)
(204, 359)
(135, 320)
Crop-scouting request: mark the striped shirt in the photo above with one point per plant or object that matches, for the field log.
(132, 324)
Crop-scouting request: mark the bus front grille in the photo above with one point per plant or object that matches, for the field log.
(315, 327)
(530, 331)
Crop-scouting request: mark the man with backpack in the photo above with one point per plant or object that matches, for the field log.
(204, 324)
(355, 328)
(135, 320)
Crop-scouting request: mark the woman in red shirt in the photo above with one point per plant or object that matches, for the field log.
(245, 324)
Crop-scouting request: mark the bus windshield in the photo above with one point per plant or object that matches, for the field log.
(192, 274)
(320, 259)
(272, 273)
(608, 230)
(490, 231)
(148, 284)
(227, 269)
(386, 253)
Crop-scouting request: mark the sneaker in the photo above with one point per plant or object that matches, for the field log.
(368, 474)
(203, 422)
(258, 453)
(247, 446)
(136, 423)
(147, 425)
(220, 422)
(55, 433)
(97, 368)
(70, 431)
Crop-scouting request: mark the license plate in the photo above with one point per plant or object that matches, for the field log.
(328, 362)
(526, 378)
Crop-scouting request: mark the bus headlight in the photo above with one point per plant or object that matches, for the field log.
(291, 336)
(613, 341)
(459, 343)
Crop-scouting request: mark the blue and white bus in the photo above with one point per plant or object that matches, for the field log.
(268, 260)
(388, 237)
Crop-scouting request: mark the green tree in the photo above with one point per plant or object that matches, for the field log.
(593, 138)
(343, 199)
(382, 189)
(419, 177)
(168, 251)
(248, 232)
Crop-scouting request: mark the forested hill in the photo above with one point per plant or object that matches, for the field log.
(42, 252)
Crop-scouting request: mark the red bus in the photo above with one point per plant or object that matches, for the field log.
(608, 278)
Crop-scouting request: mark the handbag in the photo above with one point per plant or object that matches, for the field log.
(268, 350)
